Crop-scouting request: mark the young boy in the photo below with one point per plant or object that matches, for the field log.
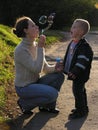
(77, 65)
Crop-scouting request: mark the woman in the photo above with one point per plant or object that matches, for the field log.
(30, 61)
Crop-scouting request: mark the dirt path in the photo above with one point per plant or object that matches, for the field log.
(46, 121)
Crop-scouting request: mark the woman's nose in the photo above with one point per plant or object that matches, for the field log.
(37, 27)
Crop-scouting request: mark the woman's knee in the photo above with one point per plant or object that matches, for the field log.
(61, 76)
(52, 94)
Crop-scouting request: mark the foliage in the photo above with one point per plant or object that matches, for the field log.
(66, 11)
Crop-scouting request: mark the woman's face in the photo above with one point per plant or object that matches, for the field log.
(32, 31)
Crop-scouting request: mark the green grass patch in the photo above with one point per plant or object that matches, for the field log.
(2, 96)
(51, 39)
(2, 101)
(53, 36)
(8, 36)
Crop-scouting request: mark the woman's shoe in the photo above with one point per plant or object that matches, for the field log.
(50, 110)
(23, 110)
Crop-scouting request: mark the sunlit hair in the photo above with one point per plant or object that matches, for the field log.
(20, 25)
(84, 24)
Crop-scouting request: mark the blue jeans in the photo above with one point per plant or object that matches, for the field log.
(36, 95)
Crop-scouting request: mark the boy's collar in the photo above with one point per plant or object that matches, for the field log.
(75, 41)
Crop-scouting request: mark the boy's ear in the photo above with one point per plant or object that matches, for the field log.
(82, 32)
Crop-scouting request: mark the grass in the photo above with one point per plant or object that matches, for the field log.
(2, 101)
(8, 42)
(53, 36)
(2, 96)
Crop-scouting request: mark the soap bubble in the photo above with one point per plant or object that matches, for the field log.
(43, 19)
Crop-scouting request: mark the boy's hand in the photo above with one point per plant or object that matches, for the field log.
(71, 76)
(59, 66)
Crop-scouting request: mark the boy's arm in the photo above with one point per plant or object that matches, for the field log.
(84, 60)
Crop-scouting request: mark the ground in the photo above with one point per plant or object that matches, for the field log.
(65, 102)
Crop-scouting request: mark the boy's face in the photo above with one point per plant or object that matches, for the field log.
(76, 31)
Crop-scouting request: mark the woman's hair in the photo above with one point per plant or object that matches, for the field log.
(20, 25)
(84, 24)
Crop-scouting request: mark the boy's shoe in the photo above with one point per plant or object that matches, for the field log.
(55, 110)
(23, 110)
(85, 110)
(76, 115)
(73, 110)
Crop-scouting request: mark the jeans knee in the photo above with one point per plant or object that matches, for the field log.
(53, 95)
(61, 76)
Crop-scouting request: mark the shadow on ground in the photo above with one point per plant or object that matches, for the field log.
(75, 124)
(30, 122)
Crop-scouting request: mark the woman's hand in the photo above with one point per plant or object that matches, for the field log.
(41, 42)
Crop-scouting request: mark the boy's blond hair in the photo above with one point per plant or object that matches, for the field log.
(84, 24)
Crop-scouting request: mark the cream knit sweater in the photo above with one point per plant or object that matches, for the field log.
(29, 63)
